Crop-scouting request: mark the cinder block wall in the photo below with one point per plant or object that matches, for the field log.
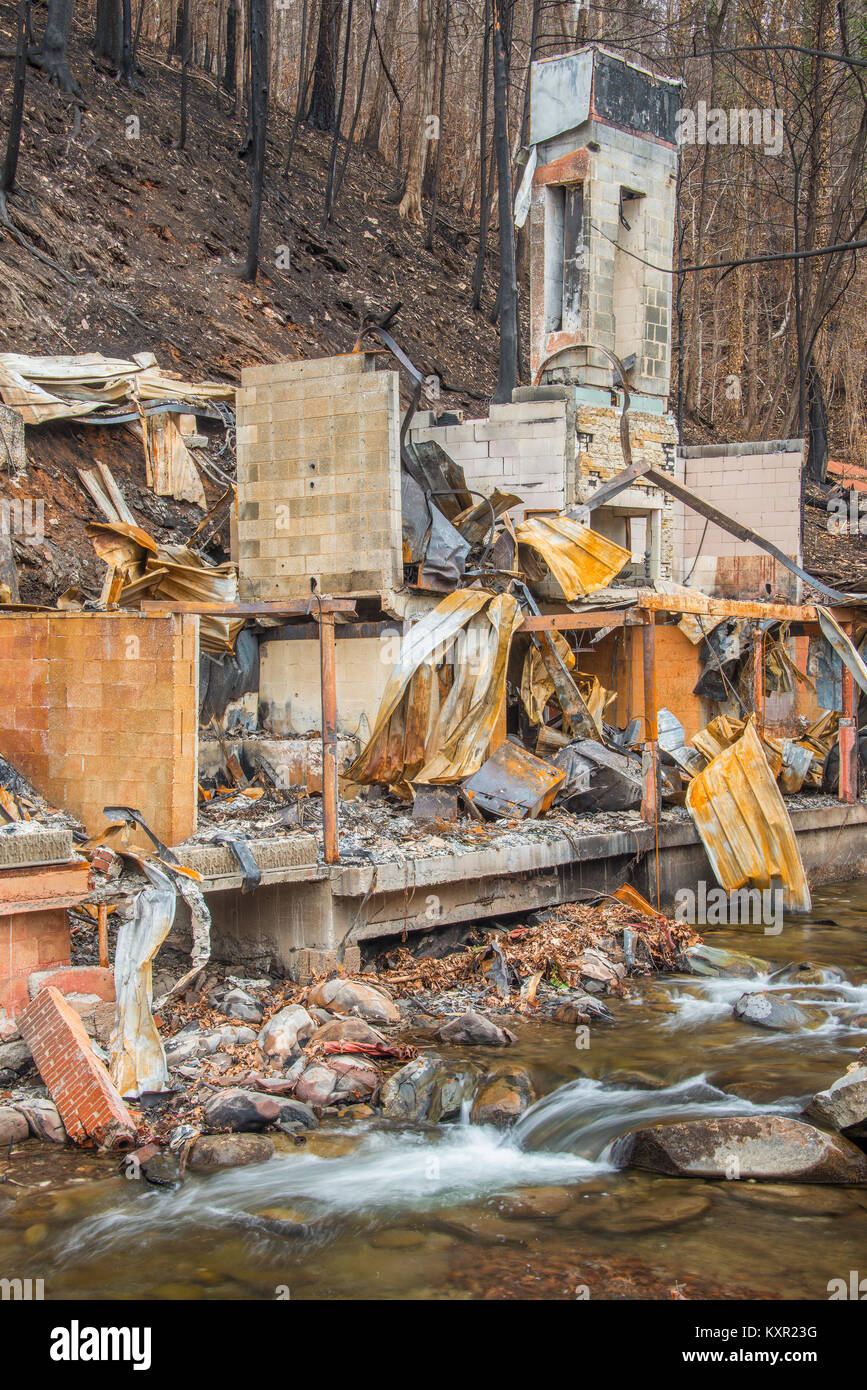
(521, 448)
(758, 484)
(289, 693)
(319, 479)
(102, 709)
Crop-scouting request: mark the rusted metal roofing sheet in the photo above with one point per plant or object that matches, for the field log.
(580, 560)
(744, 825)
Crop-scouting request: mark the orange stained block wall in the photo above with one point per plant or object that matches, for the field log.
(102, 709)
(618, 662)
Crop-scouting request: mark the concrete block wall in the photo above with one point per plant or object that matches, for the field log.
(29, 941)
(318, 479)
(289, 694)
(102, 709)
(758, 484)
(525, 447)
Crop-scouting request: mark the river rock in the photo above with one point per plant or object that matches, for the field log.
(286, 1032)
(503, 1095)
(15, 1056)
(766, 1010)
(342, 1078)
(348, 1030)
(191, 1043)
(13, 1126)
(452, 1090)
(535, 1204)
(341, 996)
(583, 1009)
(806, 973)
(238, 1109)
(714, 962)
(844, 1105)
(772, 1148)
(296, 1113)
(241, 1005)
(213, 1151)
(474, 1030)
(43, 1119)
(407, 1093)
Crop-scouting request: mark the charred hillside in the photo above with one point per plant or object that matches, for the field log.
(122, 242)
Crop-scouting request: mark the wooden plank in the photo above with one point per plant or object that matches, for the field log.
(106, 506)
(115, 495)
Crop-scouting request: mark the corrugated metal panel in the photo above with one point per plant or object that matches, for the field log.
(581, 560)
(744, 825)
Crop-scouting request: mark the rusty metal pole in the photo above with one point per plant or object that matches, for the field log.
(759, 679)
(848, 735)
(102, 934)
(650, 760)
(328, 673)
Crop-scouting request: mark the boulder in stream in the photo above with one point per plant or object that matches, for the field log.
(503, 1095)
(211, 1152)
(43, 1119)
(474, 1030)
(771, 1148)
(340, 996)
(406, 1094)
(237, 1109)
(767, 1010)
(339, 1080)
(13, 1126)
(844, 1105)
(716, 963)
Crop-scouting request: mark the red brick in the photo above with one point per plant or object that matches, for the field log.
(88, 1100)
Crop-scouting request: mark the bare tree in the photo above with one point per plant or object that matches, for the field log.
(410, 203)
(323, 103)
(52, 56)
(16, 115)
(507, 376)
(259, 89)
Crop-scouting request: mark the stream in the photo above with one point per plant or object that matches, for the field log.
(377, 1210)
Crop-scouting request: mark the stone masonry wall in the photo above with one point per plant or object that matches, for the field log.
(319, 479)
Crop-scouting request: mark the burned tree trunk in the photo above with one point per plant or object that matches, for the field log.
(436, 171)
(126, 42)
(16, 115)
(231, 47)
(410, 203)
(52, 55)
(185, 71)
(108, 41)
(259, 79)
(322, 114)
(507, 377)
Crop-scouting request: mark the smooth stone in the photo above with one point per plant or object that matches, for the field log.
(341, 996)
(767, 1147)
(211, 1152)
(713, 962)
(503, 1094)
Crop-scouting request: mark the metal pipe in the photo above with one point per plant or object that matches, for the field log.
(650, 760)
(328, 674)
(759, 678)
(848, 736)
(102, 934)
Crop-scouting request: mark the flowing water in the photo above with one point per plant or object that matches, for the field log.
(374, 1210)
